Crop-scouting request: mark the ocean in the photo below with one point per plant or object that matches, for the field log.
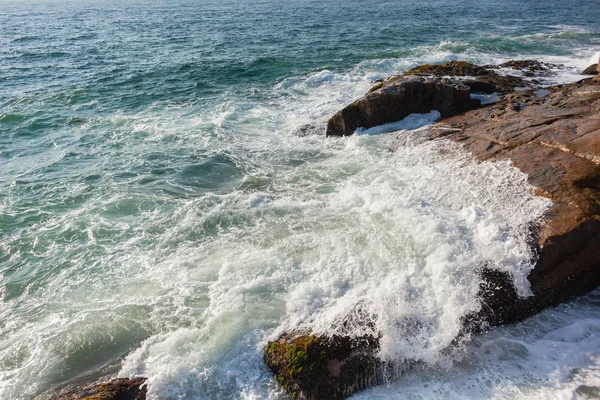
(169, 203)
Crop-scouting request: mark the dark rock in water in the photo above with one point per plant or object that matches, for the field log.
(502, 83)
(397, 98)
(479, 86)
(588, 392)
(421, 90)
(308, 130)
(531, 66)
(485, 77)
(591, 70)
(116, 389)
(332, 368)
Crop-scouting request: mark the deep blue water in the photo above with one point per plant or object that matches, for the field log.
(158, 216)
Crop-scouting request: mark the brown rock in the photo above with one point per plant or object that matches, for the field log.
(398, 97)
(332, 368)
(528, 65)
(591, 70)
(556, 142)
(485, 80)
(452, 68)
(528, 68)
(116, 389)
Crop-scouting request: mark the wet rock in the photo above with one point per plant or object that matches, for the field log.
(555, 140)
(116, 389)
(421, 90)
(482, 79)
(529, 67)
(398, 97)
(452, 68)
(316, 367)
(501, 83)
(308, 130)
(480, 86)
(591, 70)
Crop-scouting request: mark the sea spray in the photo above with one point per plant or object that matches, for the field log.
(363, 227)
(156, 207)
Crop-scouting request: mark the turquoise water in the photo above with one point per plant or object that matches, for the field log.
(161, 216)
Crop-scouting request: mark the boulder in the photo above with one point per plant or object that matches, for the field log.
(591, 70)
(116, 389)
(398, 97)
(318, 367)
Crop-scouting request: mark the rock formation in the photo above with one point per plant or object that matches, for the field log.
(552, 135)
(428, 87)
(591, 70)
(314, 367)
(116, 389)
(398, 97)
(555, 140)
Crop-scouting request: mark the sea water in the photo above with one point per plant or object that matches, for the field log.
(169, 203)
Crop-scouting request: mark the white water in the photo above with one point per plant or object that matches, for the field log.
(316, 228)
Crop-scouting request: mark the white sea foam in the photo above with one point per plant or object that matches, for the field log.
(410, 122)
(315, 231)
(399, 234)
(553, 355)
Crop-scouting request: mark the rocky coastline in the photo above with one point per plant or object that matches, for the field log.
(552, 134)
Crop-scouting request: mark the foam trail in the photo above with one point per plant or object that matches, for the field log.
(398, 233)
(410, 122)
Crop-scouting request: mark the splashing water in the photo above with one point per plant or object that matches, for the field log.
(160, 215)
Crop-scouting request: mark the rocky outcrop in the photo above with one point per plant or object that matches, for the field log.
(425, 88)
(528, 67)
(555, 140)
(116, 389)
(484, 79)
(554, 137)
(591, 70)
(452, 68)
(398, 97)
(316, 367)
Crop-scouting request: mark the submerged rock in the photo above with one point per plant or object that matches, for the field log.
(116, 389)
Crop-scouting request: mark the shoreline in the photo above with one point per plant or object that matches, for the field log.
(566, 243)
(81, 388)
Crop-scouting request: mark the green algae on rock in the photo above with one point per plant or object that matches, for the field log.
(320, 367)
